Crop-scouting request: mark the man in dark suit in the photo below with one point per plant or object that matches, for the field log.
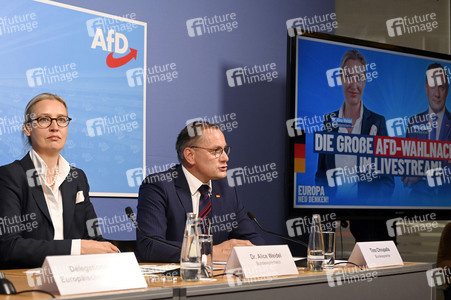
(432, 124)
(421, 125)
(165, 199)
(435, 122)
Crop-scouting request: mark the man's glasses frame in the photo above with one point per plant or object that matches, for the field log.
(216, 152)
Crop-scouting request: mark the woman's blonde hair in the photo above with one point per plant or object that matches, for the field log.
(29, 115)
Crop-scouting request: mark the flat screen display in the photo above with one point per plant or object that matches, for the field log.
(369, 126)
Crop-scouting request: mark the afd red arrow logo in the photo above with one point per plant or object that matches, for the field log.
(120, 61)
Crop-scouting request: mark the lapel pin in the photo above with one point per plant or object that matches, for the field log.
(218, 196)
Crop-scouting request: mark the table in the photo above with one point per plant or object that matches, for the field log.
(20, 281)
(400, 282)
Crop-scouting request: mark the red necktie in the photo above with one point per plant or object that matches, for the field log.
(204, 207)
(434, 118)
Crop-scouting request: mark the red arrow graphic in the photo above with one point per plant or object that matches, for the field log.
(120, 61)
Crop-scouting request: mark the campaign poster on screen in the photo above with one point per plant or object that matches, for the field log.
(372, 127)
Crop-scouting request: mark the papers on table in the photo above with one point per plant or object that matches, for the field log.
(156, 269)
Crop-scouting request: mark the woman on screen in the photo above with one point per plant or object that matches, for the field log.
(358, 182)
(353, 118)
(44, 202)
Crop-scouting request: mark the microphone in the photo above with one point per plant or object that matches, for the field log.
(254, 218)
(299, 263)
(131, 216)
(6, 286)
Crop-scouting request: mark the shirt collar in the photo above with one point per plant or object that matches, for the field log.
(341, 112)
(193, 182)
(41, 167)
(439, 114)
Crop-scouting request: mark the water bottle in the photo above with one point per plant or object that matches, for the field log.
(315, 251)
(190, 255)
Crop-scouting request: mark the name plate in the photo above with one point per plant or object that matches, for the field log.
(376, 254)
(261, 261)
(78, 274)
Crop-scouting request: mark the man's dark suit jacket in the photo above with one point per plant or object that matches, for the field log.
(162, 209)
(19, 200)
(417, 129)
(423, 119)
(384, 185)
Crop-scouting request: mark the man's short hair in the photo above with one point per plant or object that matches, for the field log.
(190, 134)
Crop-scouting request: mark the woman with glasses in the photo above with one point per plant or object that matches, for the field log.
(44, 202)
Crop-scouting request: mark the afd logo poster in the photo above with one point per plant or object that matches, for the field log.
(84, 56)
(372, 127)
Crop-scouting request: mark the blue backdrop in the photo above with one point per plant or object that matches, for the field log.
(191, 48)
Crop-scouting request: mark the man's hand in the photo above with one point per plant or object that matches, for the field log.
(409, 181)
(222, 251)
(95, 247)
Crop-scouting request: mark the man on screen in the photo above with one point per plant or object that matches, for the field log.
(432, 124)
(163, 204)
